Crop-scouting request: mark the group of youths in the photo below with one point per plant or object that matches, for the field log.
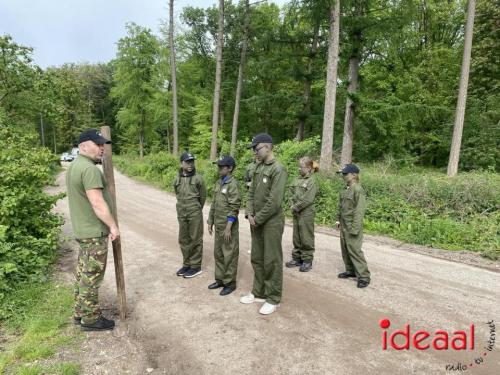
(265, 180)
(92, 211)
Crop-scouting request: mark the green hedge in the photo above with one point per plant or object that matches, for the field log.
(29, 232)
(414, 205)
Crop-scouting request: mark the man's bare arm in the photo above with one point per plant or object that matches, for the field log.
(102, 211)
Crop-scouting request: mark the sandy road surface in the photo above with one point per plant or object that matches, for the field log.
(324, 325)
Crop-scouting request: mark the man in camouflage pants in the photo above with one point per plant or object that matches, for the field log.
(91, 210)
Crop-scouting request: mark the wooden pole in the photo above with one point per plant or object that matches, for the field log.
(107, 166)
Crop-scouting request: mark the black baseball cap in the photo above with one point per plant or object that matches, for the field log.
(260, 138)
(349, 168)
(93, 135)
(225, 160)
(186, 156)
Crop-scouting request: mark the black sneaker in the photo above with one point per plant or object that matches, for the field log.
(363, 283)
(215, 285)
(227, 290)
(306, 266)
(345, 275)
(192, 272)
(183, 270)
(100, 324)
(293, 263)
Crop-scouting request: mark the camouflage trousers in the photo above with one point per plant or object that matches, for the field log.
(89, 275)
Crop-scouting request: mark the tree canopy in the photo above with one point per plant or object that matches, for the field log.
(409, 55)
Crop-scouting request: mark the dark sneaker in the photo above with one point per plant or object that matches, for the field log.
(77, 320)
(363, 283)
(345, 275)
(293, 263)
(215, 285)
(192, 272)
(183, 270)
(100, 324)
(227, 290)
(306, 266)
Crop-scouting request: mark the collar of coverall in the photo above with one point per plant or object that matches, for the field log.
(182, 174)
(225, 179)
(270, 161)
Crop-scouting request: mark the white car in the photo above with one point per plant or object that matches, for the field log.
(67, 157)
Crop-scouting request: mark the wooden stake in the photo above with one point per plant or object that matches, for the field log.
(107, 166)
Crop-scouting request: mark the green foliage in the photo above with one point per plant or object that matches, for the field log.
(289, 153)
(38, 315)
(201, 136)
(28, 230)
(136, 82)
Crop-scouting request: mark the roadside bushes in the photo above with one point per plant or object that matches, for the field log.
(415, 205)
(28, 230)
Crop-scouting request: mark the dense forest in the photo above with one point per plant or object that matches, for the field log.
(397, 81)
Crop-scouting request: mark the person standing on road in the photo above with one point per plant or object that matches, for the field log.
(302, 194)
(191, 194)
(91, 210)
(224, 215)
(350, 213)
(265, 215)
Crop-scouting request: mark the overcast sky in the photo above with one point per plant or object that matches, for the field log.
(81, 30)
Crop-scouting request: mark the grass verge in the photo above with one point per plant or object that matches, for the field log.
(35, 326)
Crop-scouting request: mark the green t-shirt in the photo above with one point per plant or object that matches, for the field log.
(84, 175)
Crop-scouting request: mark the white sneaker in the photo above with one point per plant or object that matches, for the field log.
(267, 308)
(250, 298)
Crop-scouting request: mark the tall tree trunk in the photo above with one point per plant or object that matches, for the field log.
(141, 134)
(42, 131)
(331, 88)
(462, 93)
(173, 69)
(141, 143)
(347, 140)
(239, 86)
(218, 73)
(306, 103)
(54, 138)
(169, 150)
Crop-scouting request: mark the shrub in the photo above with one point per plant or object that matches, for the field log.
(28, 230)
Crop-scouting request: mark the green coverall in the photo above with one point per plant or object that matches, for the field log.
(302, 194)
(351, 209)
(225, 206)
(265, 203)
(191, 194)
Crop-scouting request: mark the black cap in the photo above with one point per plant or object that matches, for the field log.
(260, 138)
(225, 161)
(349, 168)
(93, 135)
(186, 156)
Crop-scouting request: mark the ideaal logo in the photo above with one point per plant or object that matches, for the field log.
(404, 339)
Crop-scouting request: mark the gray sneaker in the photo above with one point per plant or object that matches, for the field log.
(192, 272)
(306, 266)
(293, 263)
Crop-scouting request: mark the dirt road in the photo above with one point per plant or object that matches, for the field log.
(324, 325)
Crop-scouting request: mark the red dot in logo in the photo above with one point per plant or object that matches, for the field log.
(385, 323)
(485, 354)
